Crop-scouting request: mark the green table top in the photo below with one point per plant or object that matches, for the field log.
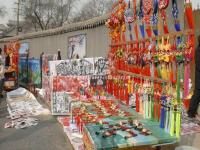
(159, 136)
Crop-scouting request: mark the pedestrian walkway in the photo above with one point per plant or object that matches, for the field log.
(47, 135)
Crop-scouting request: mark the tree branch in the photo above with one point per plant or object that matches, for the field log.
(38, 20)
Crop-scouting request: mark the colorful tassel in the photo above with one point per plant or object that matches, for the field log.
(172, 122)
(142, 30)
(178, 124)
(163, 112)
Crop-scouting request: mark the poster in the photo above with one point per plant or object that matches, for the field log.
(60, 103)
(61, 83)
(23, 71)
(101, 66)
(24, 49)
(34, 71)
(98, 80)
(77, 46)
(46, 84)
(45, 62)
(79, 67)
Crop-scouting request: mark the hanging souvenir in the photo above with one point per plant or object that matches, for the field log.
(163, 4)
(135, 18)
(155, 17)
(141, 17)
(148, 4)
(175, 12)
(129, 18)
(188, 13)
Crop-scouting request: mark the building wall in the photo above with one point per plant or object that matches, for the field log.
(97, 43)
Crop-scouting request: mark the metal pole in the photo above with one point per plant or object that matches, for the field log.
(18, 4)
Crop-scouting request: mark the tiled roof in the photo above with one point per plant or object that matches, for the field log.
(92, 23)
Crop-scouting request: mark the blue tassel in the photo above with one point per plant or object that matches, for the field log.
(142, 30)
(155, 31)
(177, 26)
(163, 112)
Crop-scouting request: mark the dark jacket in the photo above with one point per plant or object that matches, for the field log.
(197, 68)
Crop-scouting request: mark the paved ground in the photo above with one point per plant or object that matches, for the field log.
(47, 135)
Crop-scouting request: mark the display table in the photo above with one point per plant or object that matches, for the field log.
(96, 141)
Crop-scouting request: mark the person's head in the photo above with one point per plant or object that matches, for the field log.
(0, 51)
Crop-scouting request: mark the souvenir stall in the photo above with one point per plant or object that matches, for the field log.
(133, 99)
(149, 70)
(11, 68)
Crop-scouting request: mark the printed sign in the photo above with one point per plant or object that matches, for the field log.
(60, 103)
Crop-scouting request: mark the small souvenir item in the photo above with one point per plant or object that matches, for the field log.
(146, 132)
(175, 12)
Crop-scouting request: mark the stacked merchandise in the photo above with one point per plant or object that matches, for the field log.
(23, 107)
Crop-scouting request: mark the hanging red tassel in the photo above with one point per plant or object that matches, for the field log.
(148, 30)
(165, 28)
(189, 15)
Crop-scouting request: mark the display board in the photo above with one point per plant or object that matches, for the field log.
(23, 70)
(45, 62)
(77, 46)
(24, 50)
(77, 67)
(34, 71)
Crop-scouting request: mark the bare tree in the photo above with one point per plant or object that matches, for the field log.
(94, 8)
(47, 14)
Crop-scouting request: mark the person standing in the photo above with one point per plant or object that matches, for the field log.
(1, 73)
(59, 55)
(194, 103)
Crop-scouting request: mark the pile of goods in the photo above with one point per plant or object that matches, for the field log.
(23, 108)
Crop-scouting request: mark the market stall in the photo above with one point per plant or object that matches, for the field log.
(133, 99)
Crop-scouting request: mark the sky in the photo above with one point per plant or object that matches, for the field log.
(9, 4)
